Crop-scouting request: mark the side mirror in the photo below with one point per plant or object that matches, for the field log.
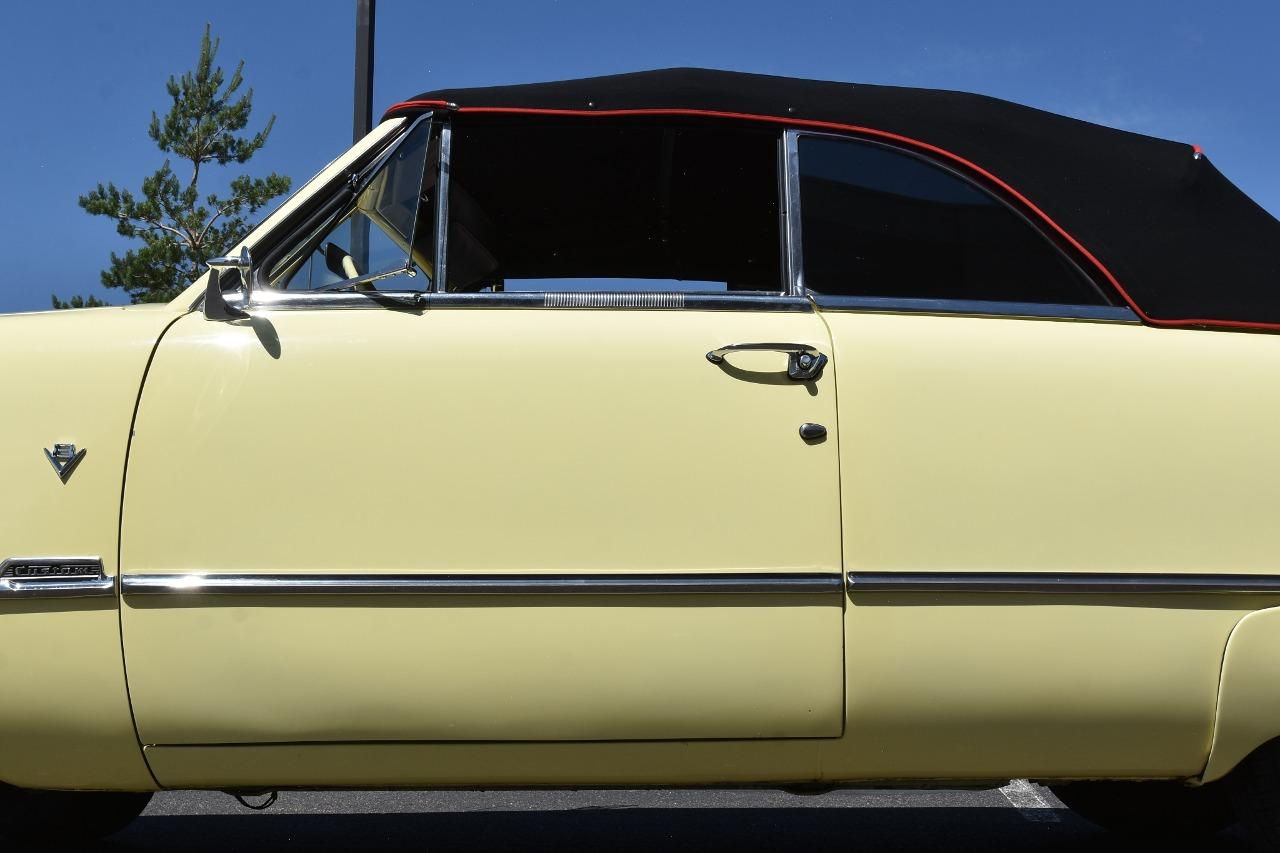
(215, 304)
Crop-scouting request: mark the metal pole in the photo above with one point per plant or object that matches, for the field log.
(365, 11)
(362, 121)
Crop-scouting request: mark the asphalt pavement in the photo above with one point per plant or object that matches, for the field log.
(1020, 818)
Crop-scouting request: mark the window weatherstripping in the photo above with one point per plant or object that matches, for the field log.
(1060, 582)
(894, 305)
(55, 577)
(634, 583)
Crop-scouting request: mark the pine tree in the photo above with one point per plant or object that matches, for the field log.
(179, 228)
(79, 302)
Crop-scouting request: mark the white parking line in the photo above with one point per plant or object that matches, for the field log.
(1022, 795)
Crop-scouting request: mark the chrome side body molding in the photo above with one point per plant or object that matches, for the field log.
(84, 577)
(54, 577)
(1064, 582)
(487, 584)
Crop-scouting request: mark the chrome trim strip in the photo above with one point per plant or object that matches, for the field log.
(486, 584)
(283, 300)
(1101, 313)
(280, 300)
(605, 299)
(792, 242)
(1060, 582)
(440, 256)
(54, 577)
(621, 300)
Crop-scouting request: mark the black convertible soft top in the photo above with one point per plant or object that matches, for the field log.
(1180, 243)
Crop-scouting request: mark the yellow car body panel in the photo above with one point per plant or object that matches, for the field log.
(1009, 445)
(974, 444)
(73, 377)
(469, 442)
(1250, 693)
(1008, 685)
(938, 686)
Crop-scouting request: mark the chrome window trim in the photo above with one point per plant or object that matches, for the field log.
(793, 259)
(569, 301)
(612, 299)
(283, 300)
(440, 267)
(1100, 289)
(625, 583)
(973, 307)
(78, 577)
(1061, 582)
(621, 300)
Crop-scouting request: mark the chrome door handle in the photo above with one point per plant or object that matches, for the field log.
(803, 362)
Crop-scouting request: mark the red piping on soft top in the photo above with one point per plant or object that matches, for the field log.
(879, 134)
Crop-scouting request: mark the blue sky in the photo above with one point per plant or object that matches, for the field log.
(81, 78)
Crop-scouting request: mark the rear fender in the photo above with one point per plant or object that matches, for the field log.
(1249, 696)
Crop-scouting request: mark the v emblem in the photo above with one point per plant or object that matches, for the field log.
(64, 458)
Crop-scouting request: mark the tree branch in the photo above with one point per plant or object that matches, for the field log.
(232, 204)
(157, 226)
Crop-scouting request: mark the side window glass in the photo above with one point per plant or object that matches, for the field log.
(880, 222)
(349, 250)
(599, 205)
(371, 233)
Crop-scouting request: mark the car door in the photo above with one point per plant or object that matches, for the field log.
(492, 516)
(1027, 473)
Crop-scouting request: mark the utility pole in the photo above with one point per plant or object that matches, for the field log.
(362, 121)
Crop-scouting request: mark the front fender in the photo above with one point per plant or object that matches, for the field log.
(67, 377)
(1249, 696)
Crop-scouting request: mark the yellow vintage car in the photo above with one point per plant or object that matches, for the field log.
(681, 428)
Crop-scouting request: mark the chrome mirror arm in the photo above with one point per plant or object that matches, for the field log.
(215, 304)
(243, 263)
